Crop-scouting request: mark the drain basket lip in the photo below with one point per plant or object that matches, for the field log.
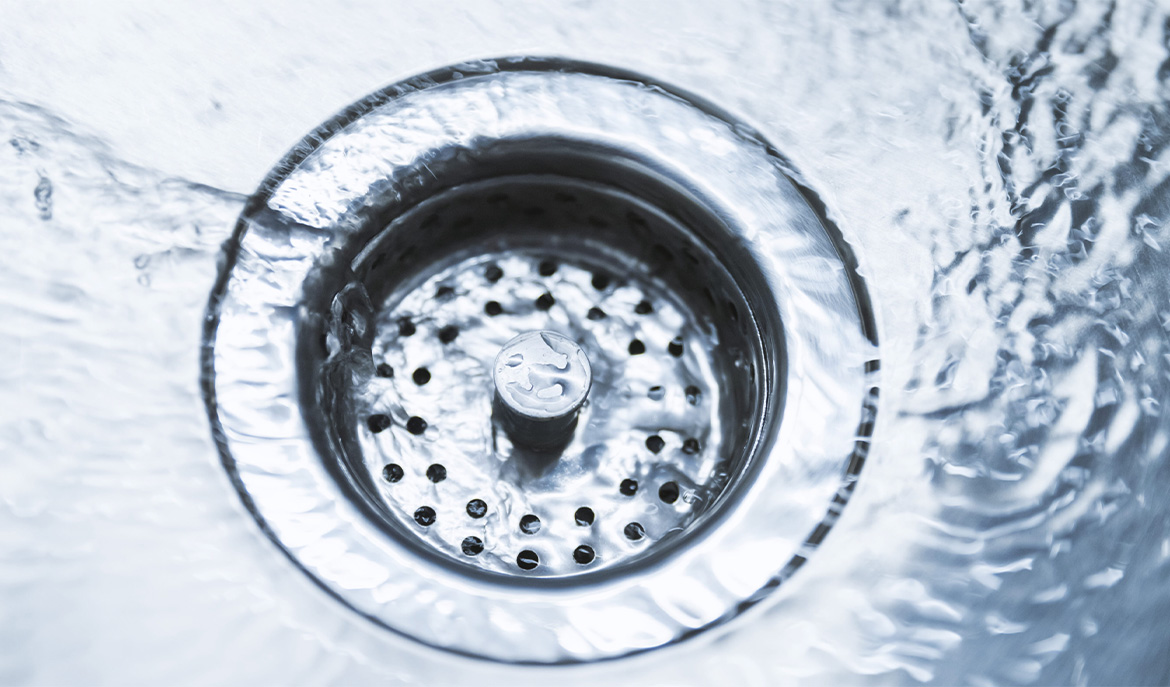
(257, 209)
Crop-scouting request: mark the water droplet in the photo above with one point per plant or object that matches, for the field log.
(43, 194)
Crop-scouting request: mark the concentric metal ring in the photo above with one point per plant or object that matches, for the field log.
(391, 150)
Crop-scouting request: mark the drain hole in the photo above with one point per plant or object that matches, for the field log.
(584, 516)
(392, 472)
(436, 473)
(415, 425)
(527, 560)
(476, 508)
(466, 297)
(545, 301)
(529, 524)
(472, 546)
(425, 516)
(443, 247)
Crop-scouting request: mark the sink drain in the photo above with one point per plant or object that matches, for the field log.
(537, 362)
(554, 358)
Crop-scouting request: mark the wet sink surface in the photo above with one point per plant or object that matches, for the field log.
(1001, 172)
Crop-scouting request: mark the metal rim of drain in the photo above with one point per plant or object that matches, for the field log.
(292, 320)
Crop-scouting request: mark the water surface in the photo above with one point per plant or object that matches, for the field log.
(1000, 168)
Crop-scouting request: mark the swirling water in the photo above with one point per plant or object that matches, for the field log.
(1000, 168)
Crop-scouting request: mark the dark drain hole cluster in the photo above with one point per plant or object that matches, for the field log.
(529, 524)
(658, 392)
(546, 268)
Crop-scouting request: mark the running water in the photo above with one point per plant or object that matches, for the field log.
(1002, 172)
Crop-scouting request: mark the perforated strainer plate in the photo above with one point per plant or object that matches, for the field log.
(370, 305)
(638, 466)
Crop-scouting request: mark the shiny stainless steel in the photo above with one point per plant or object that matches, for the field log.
(541, 379)
(411, 189)
(600, 497)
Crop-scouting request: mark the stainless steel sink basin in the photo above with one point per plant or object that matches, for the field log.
(981, 193)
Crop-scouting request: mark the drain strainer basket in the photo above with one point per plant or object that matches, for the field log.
(540, 362)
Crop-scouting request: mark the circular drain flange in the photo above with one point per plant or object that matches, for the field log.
(535, 362)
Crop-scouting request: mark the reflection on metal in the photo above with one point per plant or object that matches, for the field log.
(541, 379)
(655, 417)
(405, 275)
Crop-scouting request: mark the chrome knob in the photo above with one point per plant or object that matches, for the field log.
(541, 379)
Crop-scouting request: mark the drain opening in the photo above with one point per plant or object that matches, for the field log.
(511, 282)
(668, 264)
(476, 508)
(583, 516)
(584, 555)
